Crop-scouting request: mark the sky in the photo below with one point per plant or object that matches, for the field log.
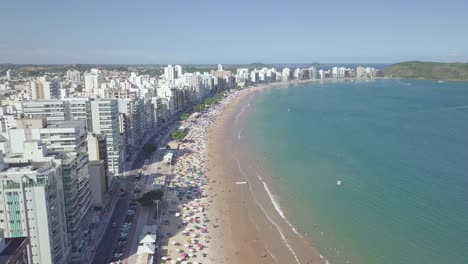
(240, 31)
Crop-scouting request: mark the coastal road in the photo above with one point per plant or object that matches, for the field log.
(144, 216)
(110, 238)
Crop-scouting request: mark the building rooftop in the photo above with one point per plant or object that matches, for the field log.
(12, 245)
(65, 124)
(95, 162)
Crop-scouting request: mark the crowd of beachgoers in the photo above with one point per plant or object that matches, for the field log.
(186, 225)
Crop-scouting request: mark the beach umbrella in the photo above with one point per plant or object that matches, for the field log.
(191, 250)
(178, 259)
(173, 242)
(186, 245)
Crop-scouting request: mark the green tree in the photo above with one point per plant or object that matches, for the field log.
(199, 107)
(178, 135)
(208, 101)
(150, 197)
(185, 116)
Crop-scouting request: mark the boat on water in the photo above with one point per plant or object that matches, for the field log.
(441, 81)
(338, 183)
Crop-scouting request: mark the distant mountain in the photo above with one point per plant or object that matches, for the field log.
(428, 70)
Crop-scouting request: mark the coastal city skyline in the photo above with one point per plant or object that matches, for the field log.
(90, 130)
(190, 132)
(210, 32)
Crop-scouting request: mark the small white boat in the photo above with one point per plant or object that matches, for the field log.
(441, 81)
(338, 183)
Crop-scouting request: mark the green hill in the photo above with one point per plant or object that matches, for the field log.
(428, 70)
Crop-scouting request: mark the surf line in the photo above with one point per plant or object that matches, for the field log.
(278, 228)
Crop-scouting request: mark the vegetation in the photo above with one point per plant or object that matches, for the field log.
(149, 148)
(428, 70)
(185, 116)
(149, 198)
(213, 100)
(178, 135)
(199, 107)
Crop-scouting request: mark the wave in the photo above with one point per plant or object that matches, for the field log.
(278, 207)
(278, 228)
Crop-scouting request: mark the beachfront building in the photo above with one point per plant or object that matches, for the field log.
(360, 72)
(68, 138)
(14, 250)
(32, 203)
(98, 182)
(103, 118)
(286, 74)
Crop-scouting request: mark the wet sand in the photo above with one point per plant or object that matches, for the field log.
(251, 229)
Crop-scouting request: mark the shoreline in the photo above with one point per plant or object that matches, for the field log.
(264, 221)
(242, 223)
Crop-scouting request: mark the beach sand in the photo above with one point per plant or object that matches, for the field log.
(251, 228)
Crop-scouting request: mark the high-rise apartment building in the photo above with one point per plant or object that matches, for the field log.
(32, 203)
(70, 139)
(103, 118)
(74, 76)
(52, 110)
(44, 88)
(93, 80)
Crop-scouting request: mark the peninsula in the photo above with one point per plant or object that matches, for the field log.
(428, 70)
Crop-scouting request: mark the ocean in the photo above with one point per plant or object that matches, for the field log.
(400, 150)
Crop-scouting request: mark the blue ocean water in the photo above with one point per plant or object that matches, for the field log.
(400, 150)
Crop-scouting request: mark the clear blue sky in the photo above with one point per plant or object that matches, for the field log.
(240, 31)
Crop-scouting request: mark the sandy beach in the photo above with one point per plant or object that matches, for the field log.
(252, 229)
(219, 207)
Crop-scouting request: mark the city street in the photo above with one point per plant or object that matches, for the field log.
(142, 217)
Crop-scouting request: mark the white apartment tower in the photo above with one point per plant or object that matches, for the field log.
(74, 76)
(178, 70)
(103, 118)
(93, 80)
(32, 203)
(170, 73)
(52, 110)
(70, 138)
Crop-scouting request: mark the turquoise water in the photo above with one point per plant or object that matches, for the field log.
(400, 149)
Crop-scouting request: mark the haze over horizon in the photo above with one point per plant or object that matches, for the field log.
(210, 32)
